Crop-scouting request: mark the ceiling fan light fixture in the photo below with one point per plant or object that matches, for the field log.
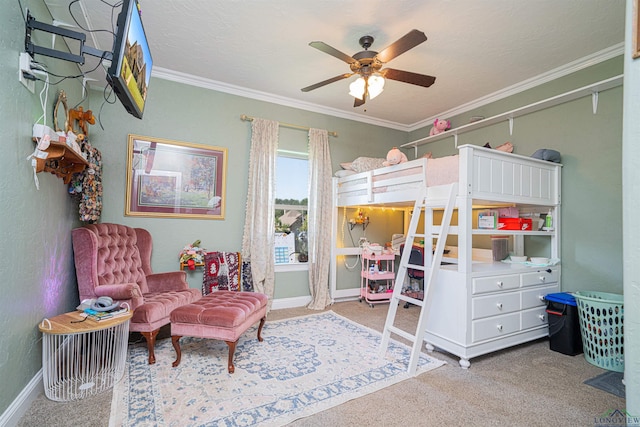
(356, 88)
(375, 87)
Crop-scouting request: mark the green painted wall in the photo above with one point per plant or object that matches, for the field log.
(591, 149)
(38, 277)
(192, 114)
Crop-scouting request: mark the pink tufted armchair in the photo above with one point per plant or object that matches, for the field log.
(115, 260)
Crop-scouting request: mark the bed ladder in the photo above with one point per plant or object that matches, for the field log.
(427, 201)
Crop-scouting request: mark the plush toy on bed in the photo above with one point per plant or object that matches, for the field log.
(394, 157)
(439, 126)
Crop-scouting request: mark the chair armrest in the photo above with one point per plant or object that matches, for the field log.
(170, 281)
(123, 292)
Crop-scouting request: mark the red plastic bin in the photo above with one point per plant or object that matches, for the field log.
(515, 224)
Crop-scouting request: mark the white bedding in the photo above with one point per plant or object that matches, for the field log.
(444, 170)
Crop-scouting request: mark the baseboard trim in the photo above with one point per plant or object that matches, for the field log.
(345, 294)
(21, 404)
(294, 302)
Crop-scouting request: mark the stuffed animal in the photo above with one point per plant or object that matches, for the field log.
(439, 126)
(394, 157)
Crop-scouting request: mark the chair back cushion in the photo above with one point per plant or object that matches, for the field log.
(107, 254)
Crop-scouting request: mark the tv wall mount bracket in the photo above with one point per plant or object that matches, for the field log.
(33, 49)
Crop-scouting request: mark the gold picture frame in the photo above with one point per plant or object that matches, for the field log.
(175, 179)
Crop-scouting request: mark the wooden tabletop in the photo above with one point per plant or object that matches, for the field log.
(73, 323)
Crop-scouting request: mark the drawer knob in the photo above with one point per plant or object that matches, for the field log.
(499, 327)
(541, 317)
(543, 278)
(500, 283)
(499, 305)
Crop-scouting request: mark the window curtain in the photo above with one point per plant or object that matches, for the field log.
(259, 238)
(319, 218)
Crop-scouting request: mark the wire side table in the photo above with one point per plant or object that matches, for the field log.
(80, 357)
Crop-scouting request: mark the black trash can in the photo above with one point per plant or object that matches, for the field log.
(564, 324)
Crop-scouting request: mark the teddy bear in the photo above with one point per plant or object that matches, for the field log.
(439, 126)
(394, 157)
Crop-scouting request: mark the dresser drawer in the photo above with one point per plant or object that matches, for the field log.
(495, 283)
(539, 277)
(496, 326)
(535, 297)
(493, 305)
(533, 318)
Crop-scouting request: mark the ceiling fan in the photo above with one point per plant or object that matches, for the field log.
(368, 65)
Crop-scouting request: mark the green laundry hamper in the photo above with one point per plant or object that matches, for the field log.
(601, 316)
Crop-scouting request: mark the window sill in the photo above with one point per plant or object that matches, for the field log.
(298, 266)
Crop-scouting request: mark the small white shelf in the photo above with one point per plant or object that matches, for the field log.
(592, 89)
(489, 231)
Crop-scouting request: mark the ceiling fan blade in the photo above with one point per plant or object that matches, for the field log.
(326, 82)
(322, 46)
(410, 40)
(408, 77)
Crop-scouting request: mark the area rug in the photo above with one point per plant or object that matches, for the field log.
(304, 365)
(610, 381)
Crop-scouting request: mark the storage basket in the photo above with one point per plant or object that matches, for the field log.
(601, 317)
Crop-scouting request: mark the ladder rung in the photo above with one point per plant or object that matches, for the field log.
(403, 334)
(417, 235)
(416, 267)
(411, 300)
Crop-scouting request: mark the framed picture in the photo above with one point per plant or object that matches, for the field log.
(175, 179)
(636, 30)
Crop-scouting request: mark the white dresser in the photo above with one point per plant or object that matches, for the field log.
(496, 306)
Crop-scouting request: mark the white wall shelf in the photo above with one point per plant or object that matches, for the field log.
(592, 89)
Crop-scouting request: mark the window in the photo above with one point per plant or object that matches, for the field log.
(292, 189)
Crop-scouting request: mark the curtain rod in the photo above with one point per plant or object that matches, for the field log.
(246, 118)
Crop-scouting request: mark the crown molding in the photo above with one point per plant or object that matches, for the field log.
(188, 79)
(572, 67)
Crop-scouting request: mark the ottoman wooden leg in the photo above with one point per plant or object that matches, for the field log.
(260, 328)
(232, 350)
(175, 340)
(232, 346)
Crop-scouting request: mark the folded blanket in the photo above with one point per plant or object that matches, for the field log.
(221, 272)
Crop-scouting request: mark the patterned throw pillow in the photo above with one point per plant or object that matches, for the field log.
(363, 164)
(346, 166)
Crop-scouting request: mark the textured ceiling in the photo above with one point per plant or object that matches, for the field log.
(260, 48)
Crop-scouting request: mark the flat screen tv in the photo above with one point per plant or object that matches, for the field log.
(130, 69)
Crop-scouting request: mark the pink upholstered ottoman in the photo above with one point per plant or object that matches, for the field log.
(221, 315)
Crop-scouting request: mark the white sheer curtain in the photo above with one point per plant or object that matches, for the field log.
(259, 236)
(319, 218)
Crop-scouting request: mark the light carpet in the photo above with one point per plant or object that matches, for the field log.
(304, 365)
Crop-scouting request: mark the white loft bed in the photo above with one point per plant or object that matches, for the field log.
(485, 177)
(489, 175)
